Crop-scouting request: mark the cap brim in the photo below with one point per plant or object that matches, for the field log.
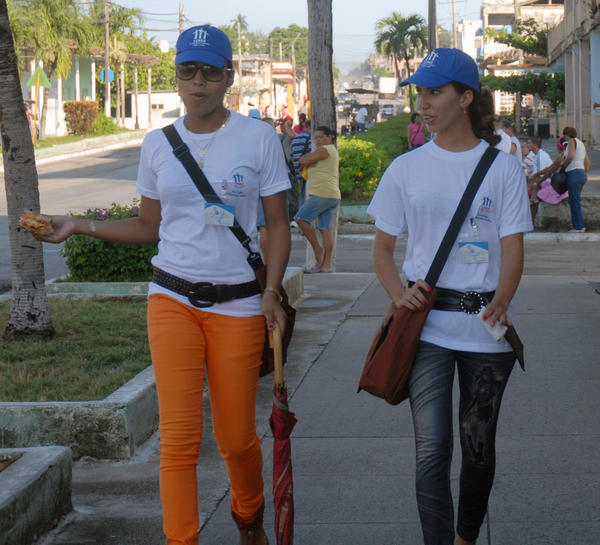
(426, 79)
(199, 55)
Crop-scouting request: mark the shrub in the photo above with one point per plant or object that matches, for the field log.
(93, 260)
(80, 116)
(103, 125)
(361, 166)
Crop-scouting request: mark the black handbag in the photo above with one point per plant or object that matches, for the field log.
(182, 152)
(558, 181)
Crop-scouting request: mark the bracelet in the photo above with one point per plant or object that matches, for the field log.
(275, 291)
(92, 226)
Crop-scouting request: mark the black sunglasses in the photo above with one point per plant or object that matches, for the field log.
(188, 70)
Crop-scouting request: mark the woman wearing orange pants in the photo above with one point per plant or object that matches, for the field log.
(206, 314)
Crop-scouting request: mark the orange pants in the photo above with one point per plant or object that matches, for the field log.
(183, 341)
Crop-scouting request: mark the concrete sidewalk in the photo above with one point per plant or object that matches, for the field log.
(353, 455)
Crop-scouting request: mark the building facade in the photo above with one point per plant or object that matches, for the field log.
(574, 46)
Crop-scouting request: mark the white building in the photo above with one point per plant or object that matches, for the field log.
(470, 37)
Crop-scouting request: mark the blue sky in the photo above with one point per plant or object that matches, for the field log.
(353, 20)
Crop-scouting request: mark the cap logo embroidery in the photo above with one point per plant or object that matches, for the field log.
(429, 61)
(200, 37)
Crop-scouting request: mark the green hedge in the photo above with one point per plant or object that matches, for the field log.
(361, 166)
(103, 125)
(93, 260)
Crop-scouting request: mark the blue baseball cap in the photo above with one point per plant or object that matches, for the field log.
(444, 65)
(204, 43)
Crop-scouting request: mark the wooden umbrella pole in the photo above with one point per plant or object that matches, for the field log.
(278, 356)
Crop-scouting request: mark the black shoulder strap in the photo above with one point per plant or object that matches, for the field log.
(182, 152)
(459, 215)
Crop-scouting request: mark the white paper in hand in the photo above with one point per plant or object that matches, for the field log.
(497, 331)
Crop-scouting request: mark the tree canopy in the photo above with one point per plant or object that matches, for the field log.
(550, 87)
(528, 37)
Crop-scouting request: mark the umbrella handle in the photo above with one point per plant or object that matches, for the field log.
(275, 335)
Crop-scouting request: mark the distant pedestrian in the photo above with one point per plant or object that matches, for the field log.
(419, 193)
(415, 132)
(301, 145)
(301, 127)
(539, 166)
(515, 148)
(322, 197)
(361, 119)
(577, 164)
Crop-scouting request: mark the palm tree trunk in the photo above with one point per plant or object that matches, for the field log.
(29, 311)
(320, 63)
(410, 93)
(320, 77)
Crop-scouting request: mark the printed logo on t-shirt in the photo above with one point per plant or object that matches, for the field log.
(238, 180)
(485, 210)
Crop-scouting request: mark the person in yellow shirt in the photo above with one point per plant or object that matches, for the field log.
(322, 197)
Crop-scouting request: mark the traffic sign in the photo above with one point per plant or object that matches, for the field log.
(111, 75)
(38, 78)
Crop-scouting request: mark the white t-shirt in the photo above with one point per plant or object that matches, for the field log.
(419, 193)
(518, 153)
(504, 144)
(578, 160)
(361, 115)
(243, 161)
(542, 161)
(528, 163)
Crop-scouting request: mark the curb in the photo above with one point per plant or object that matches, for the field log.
(35, 491)
(85, 147)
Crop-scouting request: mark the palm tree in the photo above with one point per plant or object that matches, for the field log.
(320, 75)
(401, 37)
(241, 21)
(29, 311)
(51, 28)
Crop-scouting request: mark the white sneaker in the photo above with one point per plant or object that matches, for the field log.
(577, 230)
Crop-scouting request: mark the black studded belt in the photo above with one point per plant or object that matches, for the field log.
(205, 294)
(470, 302)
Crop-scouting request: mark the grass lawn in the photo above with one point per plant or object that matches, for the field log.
(57, 140)
(98, 347)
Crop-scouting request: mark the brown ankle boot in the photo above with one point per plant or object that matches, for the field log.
(251, 531)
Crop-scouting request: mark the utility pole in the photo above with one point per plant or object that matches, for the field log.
(239, 29)
(294, 68)
(180, 16)
(454, 32)
(521, 61)
(432, 22)
(280, 51)
(106, 62)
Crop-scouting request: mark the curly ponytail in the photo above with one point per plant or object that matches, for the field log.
(481, 112)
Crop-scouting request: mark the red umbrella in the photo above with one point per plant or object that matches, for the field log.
(282, 422)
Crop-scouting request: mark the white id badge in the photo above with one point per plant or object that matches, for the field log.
(470, 252)
(219, 214)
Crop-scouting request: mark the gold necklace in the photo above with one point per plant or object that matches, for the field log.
(207, 147)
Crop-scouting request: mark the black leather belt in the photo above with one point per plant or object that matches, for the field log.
(470, 302)
(205, 294)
